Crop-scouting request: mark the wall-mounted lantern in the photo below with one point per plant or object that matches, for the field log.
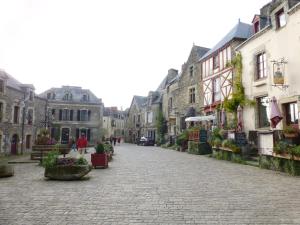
(278, 74)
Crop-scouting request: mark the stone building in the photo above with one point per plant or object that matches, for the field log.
(217, 74)
(114, 122)
(135, 119)
(151, 109)
(17, 115)
(273, 52)
(182, 92)
(73, 111)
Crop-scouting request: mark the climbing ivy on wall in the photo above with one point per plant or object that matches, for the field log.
(238, 96)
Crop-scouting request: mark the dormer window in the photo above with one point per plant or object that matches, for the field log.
(85, 97)
(48, 95)
(67, 96)
(1, 86)
(280, 19)
(256, 27)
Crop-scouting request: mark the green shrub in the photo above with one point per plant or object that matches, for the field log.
(99, 148)
(217, 142)
(295, 151)
(264, 162)
(281, 147)
(182, 138)
(81, 161)
(50, 160)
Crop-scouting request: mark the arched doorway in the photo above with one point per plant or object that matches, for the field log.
(14, 144)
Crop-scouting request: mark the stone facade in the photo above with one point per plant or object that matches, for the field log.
(114, 122)
(72, 111)
(182, 94)
(135, 119)
(277, 44)
(17, 115)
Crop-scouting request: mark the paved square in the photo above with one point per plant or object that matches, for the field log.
(150, 185)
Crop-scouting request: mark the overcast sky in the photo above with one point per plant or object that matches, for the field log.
(115, 48)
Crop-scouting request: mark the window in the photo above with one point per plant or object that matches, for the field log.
(139, 119)
(216, 90)
(149, 117)
(261, 65)
(67, 96)
(170, 104)
(1, 86)
(16, 114)
(85, 98)
(191, 70)
(216, 61)
(65, 114)
(31, 95)
(53, 114)
(280, 18)
(256, 27)
(192, 96)
(263, 112)
(28, 141)
(83, 115)
(291, 110)
(48, 95)
(1, 112)
(30, 116)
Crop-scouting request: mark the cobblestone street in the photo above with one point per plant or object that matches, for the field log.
(150, 185)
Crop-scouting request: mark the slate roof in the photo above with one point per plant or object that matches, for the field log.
(201, 51)
(13, 83)
(77, 94)
(140, 100)
(168, 79)
(239, 31)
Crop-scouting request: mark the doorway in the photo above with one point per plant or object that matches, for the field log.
(65, 132)
(14, 144)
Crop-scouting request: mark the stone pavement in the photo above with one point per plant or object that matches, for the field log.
(150, 185)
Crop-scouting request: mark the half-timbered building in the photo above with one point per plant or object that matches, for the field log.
(217, 74)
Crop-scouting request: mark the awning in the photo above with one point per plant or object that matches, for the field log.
(200, 118)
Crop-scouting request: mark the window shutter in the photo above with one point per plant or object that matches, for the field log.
(89, 115)
(60, 115)
(77, 133)
(88, 134)
(78, 115)
(71, 115)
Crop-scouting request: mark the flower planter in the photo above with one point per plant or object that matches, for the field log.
(99, 160)
(6, 170)
(69, 172)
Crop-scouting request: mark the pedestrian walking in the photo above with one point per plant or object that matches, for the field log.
(111, 140)
(115, 140)
(72, 144)
(119, 140)
(82, 143)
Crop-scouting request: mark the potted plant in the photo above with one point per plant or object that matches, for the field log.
(99, 158)
(290, 131)
(68, 168)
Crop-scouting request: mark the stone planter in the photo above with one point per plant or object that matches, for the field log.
(74, 172)
(6, 170)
